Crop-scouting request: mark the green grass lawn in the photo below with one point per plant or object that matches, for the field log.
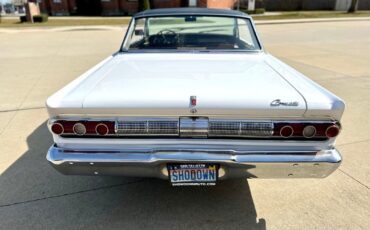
(311, 14)
(123, 21)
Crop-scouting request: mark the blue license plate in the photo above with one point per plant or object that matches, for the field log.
(193, 174)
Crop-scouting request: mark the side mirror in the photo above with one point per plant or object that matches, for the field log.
(139, 32)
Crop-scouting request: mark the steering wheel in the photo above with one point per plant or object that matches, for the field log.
(168, 36)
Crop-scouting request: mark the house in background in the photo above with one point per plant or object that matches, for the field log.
(120, 7)
(129, 7)
(296, 5)
(19, 6)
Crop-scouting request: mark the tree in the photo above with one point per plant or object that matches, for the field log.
(144, 5)
(353, 6)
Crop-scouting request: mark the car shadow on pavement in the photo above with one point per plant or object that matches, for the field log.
(34, 195)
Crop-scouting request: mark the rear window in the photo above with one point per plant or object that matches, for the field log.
(192, 33)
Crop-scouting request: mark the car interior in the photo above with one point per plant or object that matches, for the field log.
(170, 39)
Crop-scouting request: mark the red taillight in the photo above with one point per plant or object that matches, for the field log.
(102, 129)
(81, 128)
(57, 128)
(291, 130)
(286, 131)
(332, 131)
(305, 130)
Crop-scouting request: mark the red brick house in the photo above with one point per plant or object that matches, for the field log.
(120, 7)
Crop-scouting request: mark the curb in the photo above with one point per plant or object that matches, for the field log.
(61, 29)
(308, 20)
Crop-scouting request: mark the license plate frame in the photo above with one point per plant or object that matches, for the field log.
(192, 174)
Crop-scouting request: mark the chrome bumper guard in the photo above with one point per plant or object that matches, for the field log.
(233, 164)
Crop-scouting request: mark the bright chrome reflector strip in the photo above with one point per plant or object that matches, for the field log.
(148, 127)
(195, 127)
(240, 128)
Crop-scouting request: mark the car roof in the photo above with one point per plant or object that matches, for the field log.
(190, 11)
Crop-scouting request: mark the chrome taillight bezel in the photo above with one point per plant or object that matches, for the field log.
(57, 124)
(299, 126)
(330, 127)
(306, 127)
(287, 127)
(79, 124)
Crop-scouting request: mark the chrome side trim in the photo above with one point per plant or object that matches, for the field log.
(150, 163)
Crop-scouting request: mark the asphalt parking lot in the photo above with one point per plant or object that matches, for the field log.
(34, 64)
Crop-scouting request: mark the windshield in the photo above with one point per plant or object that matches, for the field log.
(192, 33)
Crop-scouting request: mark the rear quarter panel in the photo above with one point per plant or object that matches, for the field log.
(321, 103)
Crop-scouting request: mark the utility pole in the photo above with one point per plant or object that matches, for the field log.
(251, 5)
(353, 7)
(1, 11)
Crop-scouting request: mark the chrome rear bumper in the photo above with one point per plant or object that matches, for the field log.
(233, 164)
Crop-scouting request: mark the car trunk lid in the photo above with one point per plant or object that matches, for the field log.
(223, 84)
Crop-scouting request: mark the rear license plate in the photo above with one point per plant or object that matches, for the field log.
(192, 174)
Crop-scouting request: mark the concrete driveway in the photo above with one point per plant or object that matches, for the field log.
(34, 64)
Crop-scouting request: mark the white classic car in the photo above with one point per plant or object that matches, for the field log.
(192, 97)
